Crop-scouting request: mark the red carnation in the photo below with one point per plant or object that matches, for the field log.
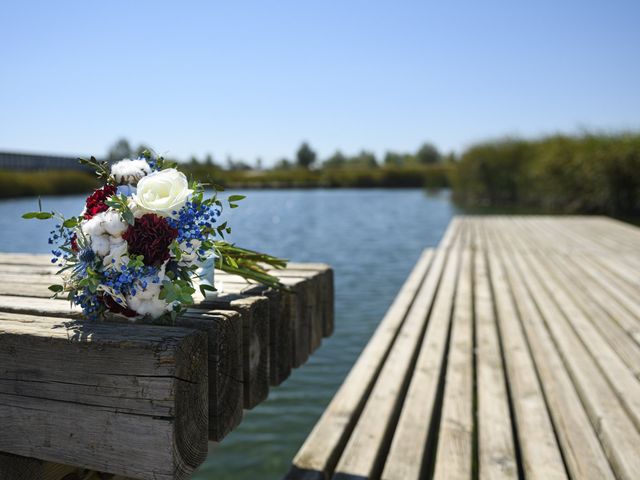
(96, 201)
(150, 236)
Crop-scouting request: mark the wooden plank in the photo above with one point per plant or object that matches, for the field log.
(539, 451)
(614, 428)
(496, 448)
(365, 451)
(319, 295)
(15, 467)
(254, 316)
(35, 259)
(225, 367)
(621, 378)
(414, 438)
(225, 346)
(317, 458)
(138, 395)
(455, 454)
(328, 285)
(280, 325)
(581, 448)
(605, 258)
(620, 329)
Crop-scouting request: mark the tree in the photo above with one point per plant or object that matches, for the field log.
(337, 160)
(428, 154)
(305, 157)
(119, 150)
(394, 158)
(365, 159)
(282, 164)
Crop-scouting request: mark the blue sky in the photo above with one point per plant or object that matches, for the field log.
(255, 78)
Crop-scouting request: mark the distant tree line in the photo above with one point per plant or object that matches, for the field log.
(588, 173)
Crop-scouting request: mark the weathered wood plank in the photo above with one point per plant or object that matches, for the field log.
(319, 454)
(581, 448)
(454, 456)
(621, 378)
(226, 385)
(327, 289)
(15, 467)
(615, 429)
(615, 324)
(125, 399)
(496, 448)
(225, 346)
(364, 453)
(254, 316)
(415, 437)
(541, 458)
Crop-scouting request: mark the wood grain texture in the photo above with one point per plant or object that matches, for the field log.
(99, 396)
(496, 447)
(454, 455)
(581, 448)
(364, 453)
(319, 454)
(254, 317)
(242, 327)
(528, 366)
(416, 432)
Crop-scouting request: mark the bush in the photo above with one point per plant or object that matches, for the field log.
(586, 174)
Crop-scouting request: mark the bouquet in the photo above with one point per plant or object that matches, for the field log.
(144, 240)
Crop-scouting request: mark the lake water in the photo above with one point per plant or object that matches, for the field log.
(372, 238)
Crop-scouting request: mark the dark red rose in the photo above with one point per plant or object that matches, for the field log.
(95, 202)
(115, 307)
(150, 236)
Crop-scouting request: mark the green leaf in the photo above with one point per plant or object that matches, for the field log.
(70, 222)
(56, 288)
(233, 205)
(236, 198)
(204, 288)
(38, 215)
(128, 217)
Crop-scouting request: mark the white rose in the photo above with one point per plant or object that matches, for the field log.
(130, 171)
(162, 192)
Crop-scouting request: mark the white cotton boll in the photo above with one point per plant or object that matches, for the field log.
(113, 223)
(100, 245)
(94, 226)
(128, 171)
(118, 253)
(134, 302)
(189, 254)
(154, 307)
(152, 290)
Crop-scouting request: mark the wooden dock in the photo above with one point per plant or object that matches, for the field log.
(512, 351)
(142, 401)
